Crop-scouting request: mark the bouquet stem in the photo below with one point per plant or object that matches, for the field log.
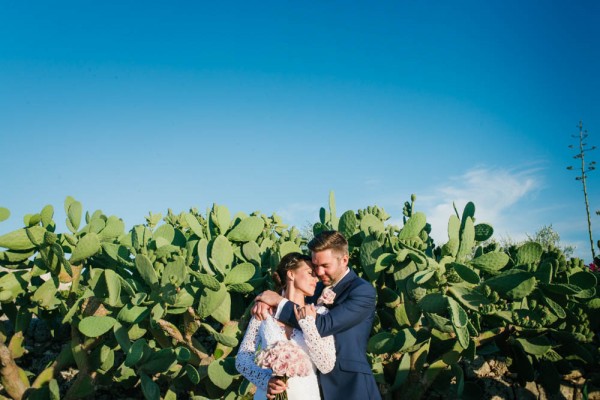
(283, 395)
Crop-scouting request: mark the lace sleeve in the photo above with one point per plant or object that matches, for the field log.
(244, 361)
(321, 349)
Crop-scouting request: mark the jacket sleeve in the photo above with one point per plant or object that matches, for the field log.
(244, 361)
(357, 307)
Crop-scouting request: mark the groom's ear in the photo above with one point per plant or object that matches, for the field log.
(345, 259)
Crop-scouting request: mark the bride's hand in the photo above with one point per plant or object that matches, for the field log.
(275, 386)
(303, 312)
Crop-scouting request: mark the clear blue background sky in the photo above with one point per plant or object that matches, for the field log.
(133, 107)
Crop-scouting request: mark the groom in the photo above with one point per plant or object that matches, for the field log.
(350, 319)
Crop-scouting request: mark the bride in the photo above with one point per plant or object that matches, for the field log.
(294, 277)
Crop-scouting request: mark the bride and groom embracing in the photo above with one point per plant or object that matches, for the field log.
(332, 335)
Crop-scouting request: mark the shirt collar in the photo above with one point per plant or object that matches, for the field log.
(342, 277)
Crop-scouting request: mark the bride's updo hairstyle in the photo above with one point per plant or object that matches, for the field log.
(289, 262)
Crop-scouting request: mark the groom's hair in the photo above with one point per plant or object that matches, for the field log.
(329, 240)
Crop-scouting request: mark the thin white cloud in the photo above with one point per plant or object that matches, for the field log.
(299, 214)
(494, 192)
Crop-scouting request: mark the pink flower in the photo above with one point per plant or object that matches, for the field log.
(327, 297)
(285, 358)
(594, 267)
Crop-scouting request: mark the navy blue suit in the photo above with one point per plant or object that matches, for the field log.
(350, 320)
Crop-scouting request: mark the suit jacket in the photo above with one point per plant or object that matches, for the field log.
(350, 320)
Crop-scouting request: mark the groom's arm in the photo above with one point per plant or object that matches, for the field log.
(358, 306)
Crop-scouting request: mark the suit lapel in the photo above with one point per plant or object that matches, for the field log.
(344, 283)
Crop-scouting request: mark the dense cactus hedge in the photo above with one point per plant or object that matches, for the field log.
(159, 310)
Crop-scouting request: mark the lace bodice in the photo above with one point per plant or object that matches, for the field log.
(261, 334)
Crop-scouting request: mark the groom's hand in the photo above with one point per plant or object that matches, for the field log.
(263, 304)
(275, 386)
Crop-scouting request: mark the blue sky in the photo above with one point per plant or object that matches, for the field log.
(269, 105)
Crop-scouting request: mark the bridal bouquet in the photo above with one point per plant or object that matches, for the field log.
(286, 360)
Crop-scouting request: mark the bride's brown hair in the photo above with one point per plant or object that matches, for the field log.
(289, 262)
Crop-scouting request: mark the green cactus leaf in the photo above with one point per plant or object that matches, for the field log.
(240, 273)
(114, 228)
(451, 248)
(422, 277)
(381, 343)
(46, 295)
(388, 297)
(247, 230)
(87, 246)
(21, 239)
(210, 300)
(175, 272)
(469, 298)
(458, 316)
(466, 273)
(74, 216)
(332, 211)
(47, 214)
(369, 221)
(95, 326)
(523, 363)
(9, 257)
(194, 225)
(241, 288)
(434, 303)
(133, 314)
(348, 224)
(561, 288)
(402, 372)
(251, 252)
(454, 228)
(192, 373)
(221, 217)
(537, 346)
(203, 245)
(483, 232)
(4, 214)
(544, 272)
(113, 284)
(586, 293)
(462, 334)
(146, 269)
(150, 388)
(222, 372)
(370, 250)
(135, 352)
(529, 253)
(166, 232)
(490, 262)
(121, 337)
(555, 307)
(223, 311)
(513, 284)
(468, 212)
(584, 280)
(384, 261)
(415, 224)
(440, 323)
(221, 254)
(405, 339)
(467, 240)
(207, 281)
(159, 361)
(288, 247)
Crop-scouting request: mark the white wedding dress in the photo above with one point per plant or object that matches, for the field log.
(261, 334)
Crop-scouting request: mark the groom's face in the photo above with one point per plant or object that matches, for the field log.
(329, 265)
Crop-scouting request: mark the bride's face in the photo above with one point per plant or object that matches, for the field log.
(303, 279)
